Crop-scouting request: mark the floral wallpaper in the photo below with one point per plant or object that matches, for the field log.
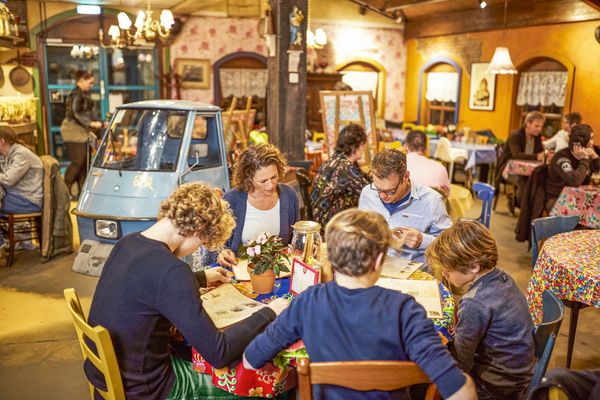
(212, 38)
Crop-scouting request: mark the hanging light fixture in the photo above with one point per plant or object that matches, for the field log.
(147, 29)
(316, 40)
(501, 62)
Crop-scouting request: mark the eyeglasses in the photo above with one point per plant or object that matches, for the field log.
(386, 192)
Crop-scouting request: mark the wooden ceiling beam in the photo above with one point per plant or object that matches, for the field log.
(393, 5)
(519, 14)
(593, 3)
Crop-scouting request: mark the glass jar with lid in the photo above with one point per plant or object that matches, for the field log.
(306, 241)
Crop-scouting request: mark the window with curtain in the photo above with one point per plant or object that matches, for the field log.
(542, 87)
(441, 97)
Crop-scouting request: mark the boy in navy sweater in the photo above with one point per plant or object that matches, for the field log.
(351, 319)
(493, 340)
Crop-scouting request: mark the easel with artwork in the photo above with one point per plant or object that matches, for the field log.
(237, 125)
(341, 108)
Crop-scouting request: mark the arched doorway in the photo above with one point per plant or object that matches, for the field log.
(365, 74)
(439, 92)
(242, 74)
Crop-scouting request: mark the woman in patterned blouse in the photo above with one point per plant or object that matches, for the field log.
(339, 181)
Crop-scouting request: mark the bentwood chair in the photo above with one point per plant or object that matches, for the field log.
(485, 193)
(362, 376)
(103, 357)
(305, 184)
(545, 335)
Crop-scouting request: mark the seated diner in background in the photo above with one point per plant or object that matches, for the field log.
(363, 321)
(414, 211)
(524, 144)
(493, 339)
(424, 170)
(340, 180)
(145, 289)
(258, 201)
(573, 165)
(21, 177)
(560, 140)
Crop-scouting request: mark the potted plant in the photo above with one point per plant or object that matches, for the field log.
(266, 257)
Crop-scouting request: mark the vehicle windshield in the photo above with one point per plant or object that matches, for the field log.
(142, 140)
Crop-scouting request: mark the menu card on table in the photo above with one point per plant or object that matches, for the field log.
(426, 293)
(225, 305)
(399, 268)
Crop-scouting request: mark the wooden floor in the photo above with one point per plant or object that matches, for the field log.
(40, 357)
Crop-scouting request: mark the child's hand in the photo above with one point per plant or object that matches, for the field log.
(217, 274)
(227, 258)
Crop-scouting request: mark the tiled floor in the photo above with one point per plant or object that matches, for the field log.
(40, 357)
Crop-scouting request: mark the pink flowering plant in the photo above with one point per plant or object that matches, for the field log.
(265, 253)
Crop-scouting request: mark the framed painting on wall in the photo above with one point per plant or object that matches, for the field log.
(194, 73)
(482, 92)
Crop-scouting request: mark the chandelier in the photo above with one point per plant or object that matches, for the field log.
(147, 29)
(316, 40)
(84, 52)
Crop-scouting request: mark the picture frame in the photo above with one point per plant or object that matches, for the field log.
(194, 73)
(482, 91)
(303, 276)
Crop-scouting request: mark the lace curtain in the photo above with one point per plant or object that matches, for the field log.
(542, 88)
(243, 82)
(442, 86)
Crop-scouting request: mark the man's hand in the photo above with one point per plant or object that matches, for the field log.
(412, 237)
(540, 156)
(579, 152)
(278, 305)
(96, 124)
(591, 152)
(217, 274)
(227, 258)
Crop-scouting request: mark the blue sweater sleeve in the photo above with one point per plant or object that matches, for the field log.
(425, 348)
(283, 332)
(178, 299)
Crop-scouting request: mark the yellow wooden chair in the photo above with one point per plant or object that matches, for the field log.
(362, 376)
(318, 136)
(104, 357)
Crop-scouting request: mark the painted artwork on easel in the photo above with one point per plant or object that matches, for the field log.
(340, 108)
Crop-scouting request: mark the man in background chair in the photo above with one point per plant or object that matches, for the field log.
(422, 169)
(21, 177)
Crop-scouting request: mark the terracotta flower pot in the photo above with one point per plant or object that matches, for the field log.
(263, 283)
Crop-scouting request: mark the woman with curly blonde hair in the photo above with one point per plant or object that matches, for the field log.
(145, 288)
(259, 202)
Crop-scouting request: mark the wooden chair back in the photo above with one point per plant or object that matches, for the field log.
(103, 357)
(362, 376)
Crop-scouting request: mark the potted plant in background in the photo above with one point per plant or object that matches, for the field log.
(266, 257)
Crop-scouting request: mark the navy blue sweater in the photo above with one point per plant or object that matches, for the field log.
(143, 290)
(339, 324)
(288, 213)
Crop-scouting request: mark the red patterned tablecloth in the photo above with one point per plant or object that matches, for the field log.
(569, 266)
(520, 167)
(583, 201)
(270, 381)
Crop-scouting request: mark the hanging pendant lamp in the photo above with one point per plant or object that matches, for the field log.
(501, 62)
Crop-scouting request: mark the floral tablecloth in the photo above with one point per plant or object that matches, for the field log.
(280, 375)
(583, 201)
(520, 167)
(569, 266)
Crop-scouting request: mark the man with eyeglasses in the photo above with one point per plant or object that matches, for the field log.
(413, 211)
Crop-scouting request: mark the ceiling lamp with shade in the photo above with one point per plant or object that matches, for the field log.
(501, 63)
(147, 29)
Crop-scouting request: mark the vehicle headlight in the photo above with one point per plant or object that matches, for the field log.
(107, 229)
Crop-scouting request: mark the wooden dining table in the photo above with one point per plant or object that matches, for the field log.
(280, 375)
